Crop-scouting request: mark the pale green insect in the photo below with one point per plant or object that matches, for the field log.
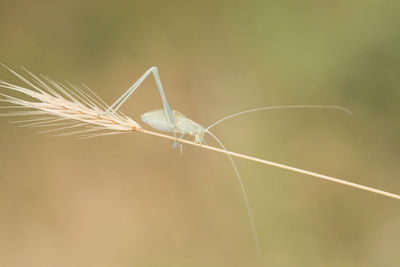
(169, 120)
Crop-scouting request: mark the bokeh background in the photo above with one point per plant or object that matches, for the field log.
(132, 200)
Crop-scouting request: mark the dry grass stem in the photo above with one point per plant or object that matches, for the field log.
(275, 164)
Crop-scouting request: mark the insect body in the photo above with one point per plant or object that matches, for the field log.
(183, 125)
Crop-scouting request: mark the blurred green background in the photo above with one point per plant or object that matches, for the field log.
(132, 200)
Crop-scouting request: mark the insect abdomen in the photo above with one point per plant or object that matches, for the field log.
(157, 119)
(183, 125)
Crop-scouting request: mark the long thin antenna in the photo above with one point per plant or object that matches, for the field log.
(246, 199)
(281, 107)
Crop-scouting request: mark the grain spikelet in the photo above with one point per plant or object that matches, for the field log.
(62, 108)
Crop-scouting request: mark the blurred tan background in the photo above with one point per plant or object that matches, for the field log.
(132, 200)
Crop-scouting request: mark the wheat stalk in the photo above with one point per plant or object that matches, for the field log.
(66, 109)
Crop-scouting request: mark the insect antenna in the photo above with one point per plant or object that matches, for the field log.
(282, 107)
(246, 200)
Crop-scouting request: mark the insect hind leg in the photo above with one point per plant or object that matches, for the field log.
(168, 111)
(121, 100)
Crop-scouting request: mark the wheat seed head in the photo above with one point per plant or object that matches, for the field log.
(62, 109)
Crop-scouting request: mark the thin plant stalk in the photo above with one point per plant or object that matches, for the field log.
(275, 164)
